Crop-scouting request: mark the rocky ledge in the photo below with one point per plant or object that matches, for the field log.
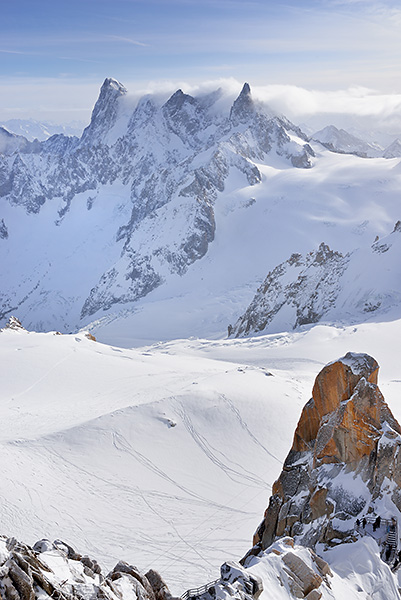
(55, 570)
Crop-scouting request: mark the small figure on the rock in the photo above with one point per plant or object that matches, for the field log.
(391, 539)
(364, 522)
(376, 523)
(358, 523)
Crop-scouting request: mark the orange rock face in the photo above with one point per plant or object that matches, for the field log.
(340, 427)
(341, 422)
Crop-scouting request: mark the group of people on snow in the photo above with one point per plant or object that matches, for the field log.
(390, 544)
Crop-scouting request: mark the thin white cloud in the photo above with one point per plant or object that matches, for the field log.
(65, 98)
(359, 101)
(119, 38)
(7, 51)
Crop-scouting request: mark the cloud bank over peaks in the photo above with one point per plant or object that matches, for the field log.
(68, 99)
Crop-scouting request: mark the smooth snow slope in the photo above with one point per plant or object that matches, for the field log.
(162, 456)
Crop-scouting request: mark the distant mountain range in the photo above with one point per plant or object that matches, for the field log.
(339, 140)
(180, 208)
(38, 130)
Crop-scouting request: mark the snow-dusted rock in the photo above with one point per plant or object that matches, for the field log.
(14, 324)
(55, 570)
(344, 463)
(339, 140)
(393, 150)
(235, 581)
(326, 285)
(304, 288)
(10, 143)
(3, 230)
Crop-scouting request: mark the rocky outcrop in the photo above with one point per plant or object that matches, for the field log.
(14, 324)
(300, 571)
(345, 460)
(302, 287)
(56, 570)
(3, 230)
(326, 285)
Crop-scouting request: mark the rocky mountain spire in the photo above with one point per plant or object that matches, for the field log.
(346, 446)
(104, 113)
(243, 107)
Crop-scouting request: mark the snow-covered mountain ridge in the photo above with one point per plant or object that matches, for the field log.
(168, 164)
(176, 207)
(37, 130)
(326, 284)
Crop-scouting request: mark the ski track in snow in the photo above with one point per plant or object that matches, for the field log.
(210, 452)
(248, 431)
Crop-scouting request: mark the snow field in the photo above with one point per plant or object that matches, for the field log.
(164, 455)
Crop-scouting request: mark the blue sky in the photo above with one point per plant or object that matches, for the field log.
(54, 54)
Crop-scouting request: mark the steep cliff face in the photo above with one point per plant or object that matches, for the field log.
(304, 288)
(344, 463)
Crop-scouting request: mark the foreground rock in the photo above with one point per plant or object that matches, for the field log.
(55, 570)
(344, 466)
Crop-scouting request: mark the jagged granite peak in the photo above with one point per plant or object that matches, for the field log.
(104, 114)
(143, 113)
(188, 118)
(175, 102)
(344, 463)
(243, 107)
(306, 287)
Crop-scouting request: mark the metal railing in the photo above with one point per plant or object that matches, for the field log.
(193, 593)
